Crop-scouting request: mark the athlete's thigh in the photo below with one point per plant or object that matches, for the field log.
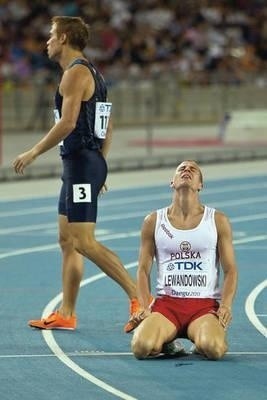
(84, 177)
(62, 206)
(63, 226)
(85, 231)
(157, 328)
(64, 232)
(207, 326)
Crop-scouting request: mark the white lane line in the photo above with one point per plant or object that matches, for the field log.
(245, 218)
(27, 228)
(55, 246)
(250, 308)
(250, 239)
(135, 200)
(39, 227)
(63, 357)
(28, 211)
(73, 354)
(96, 354)
(29, 250)
(53, 225)
(221, 189)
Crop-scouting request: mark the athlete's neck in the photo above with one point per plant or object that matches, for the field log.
(186, 203)
(68, 56)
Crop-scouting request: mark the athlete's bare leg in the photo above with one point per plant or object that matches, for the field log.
(84, 242)
(209, 336)
(72, 269)
(151, 334)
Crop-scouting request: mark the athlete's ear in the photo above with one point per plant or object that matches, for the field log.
(200, 188)
(63, 38)
(171, 184)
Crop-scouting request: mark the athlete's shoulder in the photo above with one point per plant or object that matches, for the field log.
(222, 221)
(219, 214)
(150, 217)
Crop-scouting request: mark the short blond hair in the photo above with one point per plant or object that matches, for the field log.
(76, 30)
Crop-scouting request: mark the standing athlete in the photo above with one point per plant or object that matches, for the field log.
(83, 131)
(190, 243)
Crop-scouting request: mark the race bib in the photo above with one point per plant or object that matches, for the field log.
(56, 115)
(102, 115)
(82, 193)
(57, 118)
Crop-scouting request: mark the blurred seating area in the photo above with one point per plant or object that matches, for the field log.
(199, 42)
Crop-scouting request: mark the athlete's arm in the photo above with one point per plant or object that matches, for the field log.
(228, 263)
(145, 262)
(72, 88)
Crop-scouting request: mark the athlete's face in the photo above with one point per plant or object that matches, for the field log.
(188, 174)
(54, 44)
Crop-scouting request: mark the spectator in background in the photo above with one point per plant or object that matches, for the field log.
(209, 37)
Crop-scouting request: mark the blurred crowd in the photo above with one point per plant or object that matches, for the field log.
(196, 41)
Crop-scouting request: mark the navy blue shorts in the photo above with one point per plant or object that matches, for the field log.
(84, 174)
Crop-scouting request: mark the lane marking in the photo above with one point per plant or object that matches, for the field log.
(53, 225)
(250, 308)
(250, 239)
(43, 210)
(55, 246)
(97, 354)
(37, 227)
(64, 358)
(221, 189)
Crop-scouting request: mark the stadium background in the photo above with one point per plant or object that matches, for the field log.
(176, 70)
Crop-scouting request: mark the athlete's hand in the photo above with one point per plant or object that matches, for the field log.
(24, 159)
(225, 315)
(104, 189)
(141, 315)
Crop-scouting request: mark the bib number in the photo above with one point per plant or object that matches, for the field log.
(102, 115)
(82, 193)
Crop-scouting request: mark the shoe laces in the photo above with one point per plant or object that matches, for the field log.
(134, 306)
(52, 316)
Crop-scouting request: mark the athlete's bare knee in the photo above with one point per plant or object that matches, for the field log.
(85, 246)
(143, 348)
(65, 243)
(216, 352)
(212, 348)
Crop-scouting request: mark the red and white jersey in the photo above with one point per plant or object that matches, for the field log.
(187, 259)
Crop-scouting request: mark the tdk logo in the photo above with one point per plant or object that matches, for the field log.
(105, 107)
(188, 265)
(170, 267)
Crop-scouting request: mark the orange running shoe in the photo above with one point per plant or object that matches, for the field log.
(55, 321)
(134, 308)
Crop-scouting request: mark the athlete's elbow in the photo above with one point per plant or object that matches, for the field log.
(68, 125)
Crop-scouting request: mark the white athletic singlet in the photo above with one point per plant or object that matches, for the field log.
(187, 260)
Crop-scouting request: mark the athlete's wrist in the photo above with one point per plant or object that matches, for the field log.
(227, 306)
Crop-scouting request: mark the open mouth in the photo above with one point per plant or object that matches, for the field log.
(186, 176)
